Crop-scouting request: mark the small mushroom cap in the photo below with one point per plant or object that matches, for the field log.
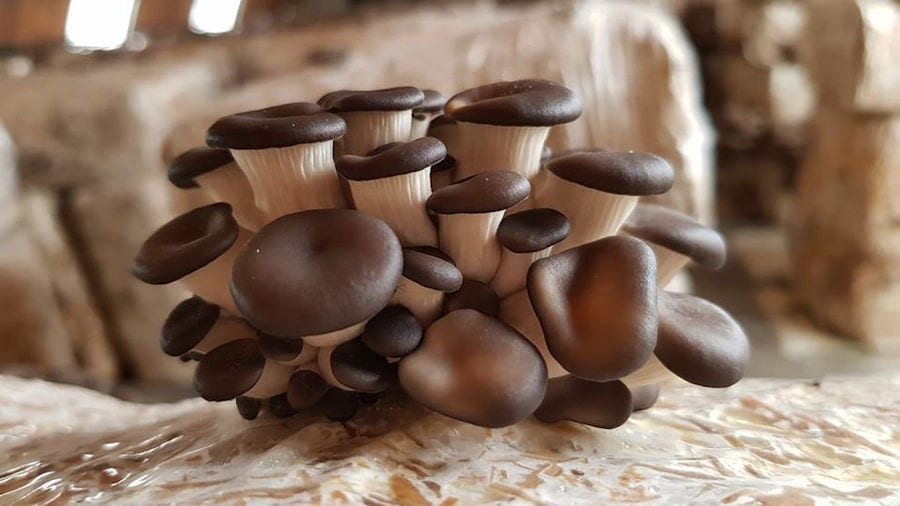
(248, 407)
(305, 389)
(487, 192)
(529, 102)
(678, 232)
(339, 405)
(392, 159)
(606, 404)
(431, 268)
(532, 230)
(644, 396)
(444, 120)
(473, 295)
(394, 332)
(229, 370)
(622, 173)
(315, 272)
(187, 325)
(359, 368)
(476, 369)
(280, 407)
(282, 349)
(196, 162)
(401, 98)
(276, 127)
(699, 341)
(433, 103)
(186, 244)
(597, 306)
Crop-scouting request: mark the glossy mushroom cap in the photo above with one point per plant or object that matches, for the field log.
(433, 103)
(699, 341)
(529, 102)
(276, 127)
(394, 332)
(229, 370)
(186, 244)
(392, 159)
(187, 324)
(473, 295)
(477, 369)
(621, 173)
(389, 99)
(196, 162)
(532, 230)
(315, 272)
(597, 306)
(431, 268)
(282, 349)
(605, 404)
(359, 368)
(678, 232)
(490, 191)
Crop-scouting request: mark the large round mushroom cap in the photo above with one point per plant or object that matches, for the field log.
(678, 232)
(597, 306)
(315, 272)
(276, 127)
(604, 404)
(476, 369)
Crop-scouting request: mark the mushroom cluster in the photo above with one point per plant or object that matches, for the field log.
(393, 239)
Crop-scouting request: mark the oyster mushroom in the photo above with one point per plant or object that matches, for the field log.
(428, 274)
(353, 366)
(525, 236)
(194, 327)
(606, 405)
(374, 117)
(432, 105)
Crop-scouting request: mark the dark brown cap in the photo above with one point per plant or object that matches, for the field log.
(699, 341)
(305, 389)
(229, 370)
(441, 121)
(392, 159)
(195, 162)
(644, 396)
(532, 230)
(339, 405)
(604, 404)
(493, 190)
(315, 272)
(358, 368)
(431, 268)
(281, 349)
(433, 103)
(476, 369)
(623, 173)
(678, 232)
(186, 244)
(473, 295)
(394, 332)
(401, 98)
(529, 102)
(597, 306)
(276, 127)
(280, 407)
(187, 325)
(248, 407)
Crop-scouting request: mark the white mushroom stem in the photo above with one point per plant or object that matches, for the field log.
(419, 126)
(516, 311)
(323, 361)
(400, 202)
(273, 380)
(229, 184)
(336, 337)
(668, 264)
(226, 329)
(307, 355)
(424, 303)
(211, 281)
(512, 148)
(592, 214)
(366, 130)
(510, 276)
(652, 373)
(291, 179)
(471, 241)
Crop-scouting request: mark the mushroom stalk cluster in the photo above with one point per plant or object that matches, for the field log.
(390, 239)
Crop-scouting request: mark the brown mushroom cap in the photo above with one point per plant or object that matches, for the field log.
(444, 120)
(186, 244)
(532, 230)
(529, 102)
(433, 102)
(392, 159)
(315, 272)
(339, 405)
(276, 127)
(229, 370)
(644, 396)
(196, 162)
(305, 389)
(606, 404)
(678, 232)
(359, 368)
(487, 192)
(623, 173)
(699, 341)
(431, 268)
(473, 295)
(280, 406)
(394, 332)
(282, 349)
(597, 306)
(401, 98)
(187, 325)
(248, 407)
(476, 369)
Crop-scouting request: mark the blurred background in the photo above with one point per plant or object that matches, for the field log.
(781, 118)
